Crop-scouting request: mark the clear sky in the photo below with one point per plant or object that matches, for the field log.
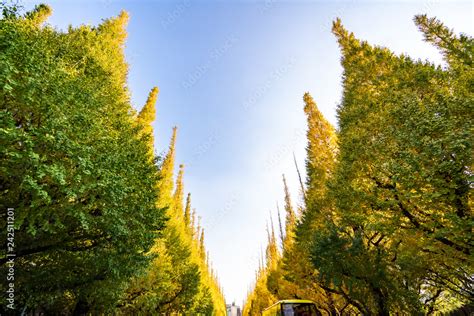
(231, 76)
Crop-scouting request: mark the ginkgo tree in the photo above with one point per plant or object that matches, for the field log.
(74, 164)
(100, 226)
(386, 226)
(403, 237)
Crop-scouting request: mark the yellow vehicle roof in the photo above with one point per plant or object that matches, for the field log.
(295, 301)
(289, 302)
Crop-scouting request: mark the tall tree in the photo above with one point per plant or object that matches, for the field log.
(187, 212)
(292, 274)
(290, 219)
(165, 185)
(320, 162)
(321, 151)
(147, 116)
(261, 295)
(74, 165)
(401, 183)
(172, 281)
(178, 195)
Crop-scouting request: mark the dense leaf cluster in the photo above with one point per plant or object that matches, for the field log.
(98, 228)
(387, 222)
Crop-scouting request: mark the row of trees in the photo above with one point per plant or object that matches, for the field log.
(100, 226)
(386, 223)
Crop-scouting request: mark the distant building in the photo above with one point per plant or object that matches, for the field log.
(233, 310)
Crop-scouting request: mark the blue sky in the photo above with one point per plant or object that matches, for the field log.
(231, 76)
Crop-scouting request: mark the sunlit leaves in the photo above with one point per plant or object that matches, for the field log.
(401, 186)
(74, 165)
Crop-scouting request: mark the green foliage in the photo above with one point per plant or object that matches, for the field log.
(187, 212)
(387, 222)
(403, 231)
(178, 281)
(39, 14)
(90, 197)
(260, 297)
(74, 165)
(147, 116)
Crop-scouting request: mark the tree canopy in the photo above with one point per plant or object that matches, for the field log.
(387, 220)
(98, 227)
